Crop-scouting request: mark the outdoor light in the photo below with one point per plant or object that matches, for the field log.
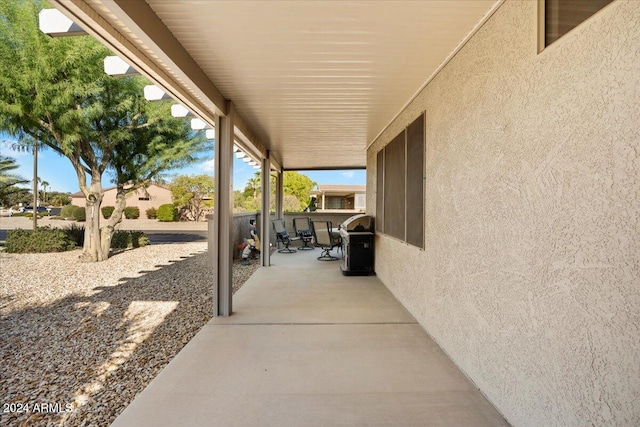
(179, 110)
(210, 133)
(199, 124)
(116, 66)
(55, 24)
(154, 93)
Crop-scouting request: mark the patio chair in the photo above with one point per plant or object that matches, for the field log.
(303, 229)
(282, 236)
(325, 239)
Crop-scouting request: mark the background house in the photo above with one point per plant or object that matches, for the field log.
(340, 198)
(153, 196)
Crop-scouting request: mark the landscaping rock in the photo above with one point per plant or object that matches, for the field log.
(80, 341)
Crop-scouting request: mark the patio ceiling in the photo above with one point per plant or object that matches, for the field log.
(313, 82)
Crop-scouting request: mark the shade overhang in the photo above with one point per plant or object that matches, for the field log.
(312, 83)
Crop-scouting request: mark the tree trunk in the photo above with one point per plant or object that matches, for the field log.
(91, 252)
(97, 241)
(115, 219)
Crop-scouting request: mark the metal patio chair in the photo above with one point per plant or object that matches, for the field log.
(282, 236)
(325, 239)
(304, 231)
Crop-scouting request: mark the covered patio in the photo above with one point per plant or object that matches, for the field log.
(292, 85)
(502, 160)
(309, 346)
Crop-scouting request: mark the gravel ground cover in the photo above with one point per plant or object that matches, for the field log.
(80, 341)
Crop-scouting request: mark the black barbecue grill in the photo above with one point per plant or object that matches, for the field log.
(357, 245)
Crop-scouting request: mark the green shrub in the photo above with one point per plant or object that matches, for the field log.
(132, 212)
(107, 211)
(122, 239)
(167, 213)
(30, 214)
(75, 233)
(67, 211)
(79, 214)
(42, 239)
(152, 213)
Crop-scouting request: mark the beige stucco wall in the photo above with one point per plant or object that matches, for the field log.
(530, 279)
(157, 196)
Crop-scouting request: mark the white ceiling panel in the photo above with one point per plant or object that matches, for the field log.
(315, 81)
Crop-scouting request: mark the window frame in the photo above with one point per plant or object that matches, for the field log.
(542, 23)
(412, 221)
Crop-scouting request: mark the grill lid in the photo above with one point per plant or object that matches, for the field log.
(360, 222)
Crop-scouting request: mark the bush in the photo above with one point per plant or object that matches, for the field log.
(30, 214)
(132, 212)
(107, 211)
(152, 213)
(75, 233)
(79, 214)
(167, 213)
(122, 239)
(67, 211)
(42, 239)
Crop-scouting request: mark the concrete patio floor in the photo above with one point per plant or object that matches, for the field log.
(307, 346)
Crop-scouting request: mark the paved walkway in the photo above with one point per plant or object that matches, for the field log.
(307, 346)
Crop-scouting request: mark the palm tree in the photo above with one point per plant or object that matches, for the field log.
(253, 185)
(45, 186)
(8, 180)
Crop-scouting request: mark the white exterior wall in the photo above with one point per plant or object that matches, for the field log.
(530, 277)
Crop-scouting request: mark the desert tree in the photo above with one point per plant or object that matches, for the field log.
(192, 194)
(54, 92)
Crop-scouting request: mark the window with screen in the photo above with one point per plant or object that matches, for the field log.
(558, 17)
(400, 185)
(379, 190)
(334, 202)
(415, 182)
(394, 183)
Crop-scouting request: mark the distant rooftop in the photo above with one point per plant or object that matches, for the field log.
(334, 188)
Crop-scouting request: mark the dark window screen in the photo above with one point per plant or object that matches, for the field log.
(415, 182)
(334, 203)
(562, 16)
(380, 191)
(394, 187)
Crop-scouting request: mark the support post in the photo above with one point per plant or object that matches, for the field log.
(223, 207)
(280, 194)
(265, 228)
(35, 185)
